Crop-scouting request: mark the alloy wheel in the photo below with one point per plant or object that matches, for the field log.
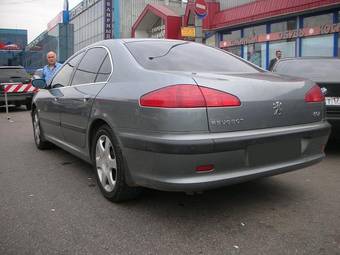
(106, 163)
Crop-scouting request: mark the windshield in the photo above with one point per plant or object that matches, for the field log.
(319, 70)
(13, 75)
(187, 57)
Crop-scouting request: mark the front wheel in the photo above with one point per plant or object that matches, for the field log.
(38, 135)
(109, 167)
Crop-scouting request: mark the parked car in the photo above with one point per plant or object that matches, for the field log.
(177, 116)
(20, 91)
(325, 72)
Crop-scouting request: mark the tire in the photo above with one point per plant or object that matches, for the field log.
(29, 106)
(109, 167)
(39, 139)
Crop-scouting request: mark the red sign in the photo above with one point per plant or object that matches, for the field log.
(201, 8)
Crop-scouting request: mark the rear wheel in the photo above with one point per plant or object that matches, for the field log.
(29, 105)
(109, 167)
(39, 140)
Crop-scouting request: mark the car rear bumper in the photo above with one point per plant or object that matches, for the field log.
(16, 97)
(168, 162)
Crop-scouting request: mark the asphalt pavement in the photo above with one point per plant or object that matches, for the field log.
(50, 204)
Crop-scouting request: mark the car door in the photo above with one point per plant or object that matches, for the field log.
(89, 78)
(49, 102)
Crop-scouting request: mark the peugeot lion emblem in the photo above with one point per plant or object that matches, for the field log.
(277, 107)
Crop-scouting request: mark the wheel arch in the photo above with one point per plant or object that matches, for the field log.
(93, 127)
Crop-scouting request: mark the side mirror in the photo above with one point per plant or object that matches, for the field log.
(39, 83)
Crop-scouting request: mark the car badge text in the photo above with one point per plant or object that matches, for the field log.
(278, 109)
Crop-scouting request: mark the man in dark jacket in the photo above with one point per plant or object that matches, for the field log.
(278, 54)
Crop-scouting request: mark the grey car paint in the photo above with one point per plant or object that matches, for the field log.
(162, 147)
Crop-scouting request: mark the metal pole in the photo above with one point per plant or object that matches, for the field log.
(198, 30)
(6, 104)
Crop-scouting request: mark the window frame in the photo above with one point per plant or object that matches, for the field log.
(85, 51)
(66, 62)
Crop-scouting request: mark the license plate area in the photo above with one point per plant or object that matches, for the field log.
(274, 152)
(332, 101)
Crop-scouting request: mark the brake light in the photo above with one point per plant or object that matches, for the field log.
(188, 96)
(314, 95)
(216, 98)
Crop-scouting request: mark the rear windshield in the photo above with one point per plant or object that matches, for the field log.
(320, 70)
(13, 75)
(187, 57)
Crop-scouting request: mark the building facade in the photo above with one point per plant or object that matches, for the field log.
(12, 44)
(96, 20)
(88, 19)
(58, 39)
(252, 29)
(297, 29)
(255, 30)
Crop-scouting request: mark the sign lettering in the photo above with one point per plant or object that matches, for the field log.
(108, 19)
(290, 34)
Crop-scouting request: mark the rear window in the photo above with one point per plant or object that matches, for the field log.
(320, 70)
(187, 57)
(13, 75)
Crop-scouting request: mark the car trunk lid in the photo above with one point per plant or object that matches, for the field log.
(267, 100)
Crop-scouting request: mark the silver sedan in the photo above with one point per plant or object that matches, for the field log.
(177, 116)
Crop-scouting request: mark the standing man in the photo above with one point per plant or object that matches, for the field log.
(52, 66)
(278, 54)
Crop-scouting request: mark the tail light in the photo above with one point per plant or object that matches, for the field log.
(314, 95)
(188, 96)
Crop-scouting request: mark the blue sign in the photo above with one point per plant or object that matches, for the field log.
(108, 29)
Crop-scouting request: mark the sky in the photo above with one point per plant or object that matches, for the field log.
(32, 15)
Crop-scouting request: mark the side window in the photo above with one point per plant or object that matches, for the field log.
(105, 70)
(89, 66)
(62, 78)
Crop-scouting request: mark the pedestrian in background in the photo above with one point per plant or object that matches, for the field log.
(278, 55)
(52, 66)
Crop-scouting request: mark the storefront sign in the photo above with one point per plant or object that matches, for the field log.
(188, 31)
(108, 19)
(291, 34)
(158, 32)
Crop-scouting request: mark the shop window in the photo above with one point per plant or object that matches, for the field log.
(319, 20)
(287, 49)
(232, 35)
(251, 31)
(318, 46)
(256, 53)
(235, 50)
(284, 26)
